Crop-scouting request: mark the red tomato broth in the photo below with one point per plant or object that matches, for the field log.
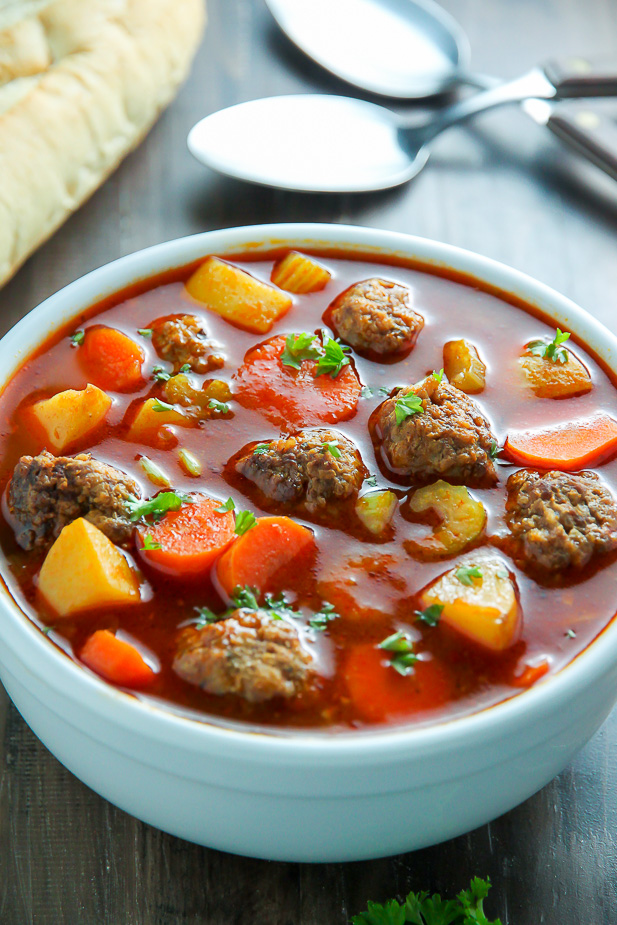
(386, 581)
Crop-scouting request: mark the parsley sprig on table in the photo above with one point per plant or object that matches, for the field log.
(551, 350)
(158, 506)
(422, 909)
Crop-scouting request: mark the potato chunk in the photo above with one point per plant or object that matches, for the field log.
(69, 416)
(463, 366)
(376, 510)
(550, 379)
(237, 296)
(462, 519)
(299, 274)
(148, 421)
(478, 600)
(180, 390)
(84, 569)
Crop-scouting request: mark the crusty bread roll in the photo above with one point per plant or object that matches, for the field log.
(81, 82)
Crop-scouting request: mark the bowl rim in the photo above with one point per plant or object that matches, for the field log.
(155, 721)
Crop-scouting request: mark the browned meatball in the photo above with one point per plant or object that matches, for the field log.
(448, 439)
(48, 492)
(181, 340)
(315, 466)
(376, 316)
(560, 519)
(249, 654)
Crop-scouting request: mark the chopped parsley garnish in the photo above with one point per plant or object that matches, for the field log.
(467, 573)
(320, 620)
(300, 347)
(422, 909)
(261, 448)
(245, 597)
(331, 447)
(495, 450)
(333, 359)
(46, 630)
(158, 405)
(156, 507)
(150, 543)
(244, 521)
(185, 368)
(367, 392)
(229, 505)
(403, 657)
(406, 406)
(160, 374)
(438, 375)
(551, 350)
(215, 405)
(383, 390)
(145, 332)
(430, 615)
(372, 481)
(571, 634)
(77, 338)
(205, 617)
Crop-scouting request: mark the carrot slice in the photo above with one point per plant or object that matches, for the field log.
(190, 539)
(568, 446)
(530, 674)
(263, 551)
(380, 694)
(112, 359)
(294, 397)
(116, 660)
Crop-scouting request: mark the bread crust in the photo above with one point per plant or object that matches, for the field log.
(115, 65)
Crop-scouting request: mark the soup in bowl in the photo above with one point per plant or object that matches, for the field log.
(296, 514)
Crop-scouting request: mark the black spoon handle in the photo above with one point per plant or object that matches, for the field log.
(574, 77)
(590, 133)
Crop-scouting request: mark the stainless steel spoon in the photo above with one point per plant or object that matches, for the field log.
(318, 143)
(405, 49)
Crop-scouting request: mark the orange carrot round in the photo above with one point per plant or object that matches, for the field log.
(186, 542)
(112, 359)
(262, 552)
(567, 446)
(294, 397)
(116, 660)
(531, 673)
(380, 694)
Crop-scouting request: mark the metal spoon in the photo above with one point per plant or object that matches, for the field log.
(318, 143)
(405, 49)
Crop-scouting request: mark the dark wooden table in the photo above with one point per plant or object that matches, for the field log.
(502, 187)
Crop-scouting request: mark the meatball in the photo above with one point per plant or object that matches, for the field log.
(448, 439)
(560, 519)
(249, 654)
(48, 492)
(315, 466)
(181, 340)
(376, 316)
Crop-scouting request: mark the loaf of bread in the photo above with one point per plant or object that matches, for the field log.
(81, 82)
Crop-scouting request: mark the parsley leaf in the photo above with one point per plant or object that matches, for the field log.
(160, 374)
(372, 481)
(495, 450)
(244, 521)
(158, 405)
(383, 390)
(430, 615)
(331, 447)
(77, 338)
(261, 448)
(403, 658)
(205, 617)
(150, 543)
(467, 573)
(245, 597)
(320, 620)
(570, 634)
(215, 405)
(165, 501)
(300, 347)
(333, 358)
(185, 368)
(422, 909)
(551, 350)
(367, 392)
(229, 505)
(406, 406)
(145, 332)
(438, 375)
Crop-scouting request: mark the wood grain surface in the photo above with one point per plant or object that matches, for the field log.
(503, 187)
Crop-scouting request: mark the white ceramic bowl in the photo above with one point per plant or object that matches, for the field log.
(301, 797)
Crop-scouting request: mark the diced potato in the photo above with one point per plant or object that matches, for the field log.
(462, 519)
(237, 296)
(179, 390)
(548, 379)
(463, 366)
(84, 569)
(485, 610)
(376, 510)
(69, 416)
(148, 422)
(297, 273)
